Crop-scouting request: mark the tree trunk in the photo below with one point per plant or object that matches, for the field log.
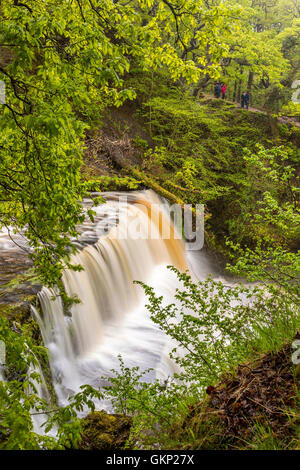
(240, 85)
(239, 90)
(250, 80)
(234, 91)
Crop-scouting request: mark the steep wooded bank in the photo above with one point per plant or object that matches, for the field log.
(193, 151)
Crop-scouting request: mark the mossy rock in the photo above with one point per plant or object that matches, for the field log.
(17, 311)
(103, 431)
(19, 317)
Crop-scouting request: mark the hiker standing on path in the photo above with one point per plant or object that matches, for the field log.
(217, 90)
(223, 90)
(245, 98)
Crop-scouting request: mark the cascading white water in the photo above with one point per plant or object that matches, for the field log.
(111, 318)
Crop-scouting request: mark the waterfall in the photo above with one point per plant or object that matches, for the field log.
(111, 317)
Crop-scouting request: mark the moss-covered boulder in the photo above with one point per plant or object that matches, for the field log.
(103, 431)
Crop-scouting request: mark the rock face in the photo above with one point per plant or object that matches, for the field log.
(102, 431)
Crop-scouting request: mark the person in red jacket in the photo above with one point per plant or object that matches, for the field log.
(223, 90)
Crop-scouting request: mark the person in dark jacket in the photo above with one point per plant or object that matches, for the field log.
(243, 99)
(247, 99)
(217, 90)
